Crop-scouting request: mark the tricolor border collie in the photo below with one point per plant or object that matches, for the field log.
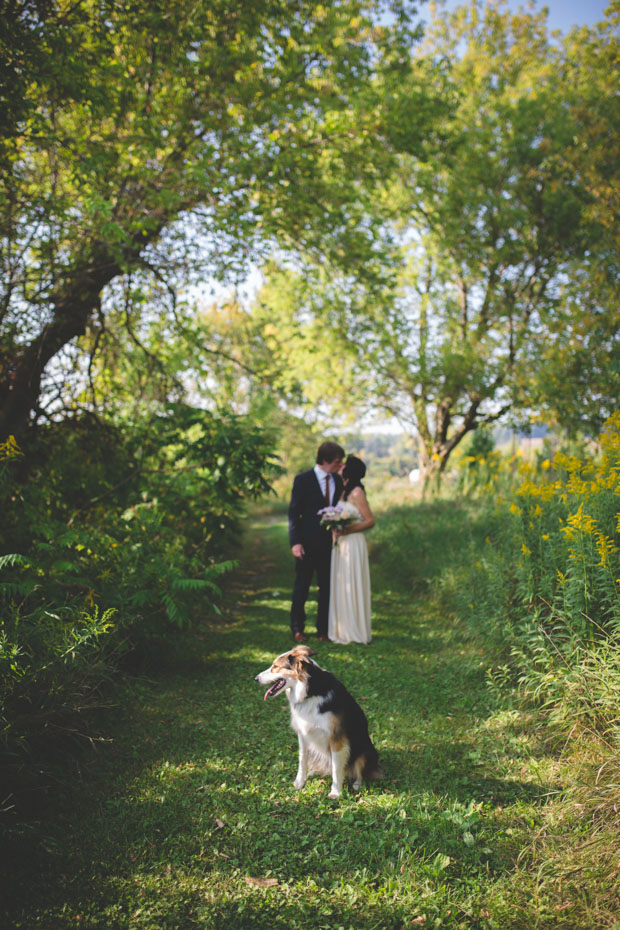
(331, 726)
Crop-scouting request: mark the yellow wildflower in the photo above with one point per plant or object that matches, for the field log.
(582, 521)
(9, 449)
(604, 545)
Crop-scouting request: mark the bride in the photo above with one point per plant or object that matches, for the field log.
(349, 599)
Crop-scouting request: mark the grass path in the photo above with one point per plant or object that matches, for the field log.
(188, 818)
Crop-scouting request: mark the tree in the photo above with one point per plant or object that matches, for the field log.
(490, 223)
(577, 381)
(148, 136)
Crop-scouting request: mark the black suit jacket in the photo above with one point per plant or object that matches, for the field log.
(304, 523)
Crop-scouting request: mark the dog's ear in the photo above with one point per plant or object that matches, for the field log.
(303, 651)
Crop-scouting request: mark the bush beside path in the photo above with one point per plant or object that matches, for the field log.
(186, 816)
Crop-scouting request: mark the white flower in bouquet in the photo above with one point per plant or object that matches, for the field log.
(335, 518)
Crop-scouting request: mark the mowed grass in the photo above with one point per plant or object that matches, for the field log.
(187, 816)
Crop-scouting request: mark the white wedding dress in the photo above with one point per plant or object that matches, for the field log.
(349, 598)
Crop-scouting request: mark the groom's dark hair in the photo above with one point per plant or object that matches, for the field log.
(329, 452)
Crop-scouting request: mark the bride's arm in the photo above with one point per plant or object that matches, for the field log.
(358, 497)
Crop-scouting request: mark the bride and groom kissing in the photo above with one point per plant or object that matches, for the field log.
(338, 558)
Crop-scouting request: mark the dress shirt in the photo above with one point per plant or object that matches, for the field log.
(322, 476)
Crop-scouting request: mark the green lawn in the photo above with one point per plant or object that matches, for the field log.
(187, 817)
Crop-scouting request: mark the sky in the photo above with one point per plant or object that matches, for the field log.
(563, 14)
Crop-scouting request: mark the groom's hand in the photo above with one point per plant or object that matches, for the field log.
(298, 551)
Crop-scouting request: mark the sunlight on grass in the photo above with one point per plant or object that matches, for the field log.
(194, 821)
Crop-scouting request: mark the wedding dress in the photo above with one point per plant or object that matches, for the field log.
(349, 598)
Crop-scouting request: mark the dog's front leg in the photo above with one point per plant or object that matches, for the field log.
(302, 769)
(339, 762)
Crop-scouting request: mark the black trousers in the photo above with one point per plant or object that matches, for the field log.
(319, 563)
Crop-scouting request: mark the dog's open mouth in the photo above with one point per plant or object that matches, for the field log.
(275, 688)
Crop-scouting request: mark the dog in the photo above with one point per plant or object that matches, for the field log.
(331, 727)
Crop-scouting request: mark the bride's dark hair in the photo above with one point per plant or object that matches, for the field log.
(354, 470)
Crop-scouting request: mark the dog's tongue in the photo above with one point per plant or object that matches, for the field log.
(276, 686)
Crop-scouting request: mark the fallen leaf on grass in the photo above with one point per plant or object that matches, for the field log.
(419, 920)
(219, 823)
(260, 882)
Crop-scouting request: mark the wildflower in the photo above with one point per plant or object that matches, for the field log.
(9, 449)
(604, 546)
(582, 521)
(514, 509)
(525, 550)
(545, 536)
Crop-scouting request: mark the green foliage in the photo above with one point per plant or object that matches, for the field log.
(141, 523)
(148, 145)
(53, 664)
(138, 523)
(546, 582)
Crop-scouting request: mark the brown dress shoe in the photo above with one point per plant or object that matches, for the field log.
(323, 638)
(300, 637)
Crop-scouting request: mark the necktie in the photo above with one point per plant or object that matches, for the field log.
(327, 494)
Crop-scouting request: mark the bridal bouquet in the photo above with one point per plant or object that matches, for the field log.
(335, 518)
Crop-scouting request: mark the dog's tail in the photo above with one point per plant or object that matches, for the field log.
(372, 769)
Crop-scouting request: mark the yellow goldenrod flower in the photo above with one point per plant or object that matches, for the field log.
(9, 449)
(604, 546)
(582, 521)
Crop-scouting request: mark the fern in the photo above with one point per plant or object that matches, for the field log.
(11, 590)
(195, 584)
(176, 612)
(13, 559)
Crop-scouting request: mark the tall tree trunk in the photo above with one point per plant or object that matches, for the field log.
(73, 304)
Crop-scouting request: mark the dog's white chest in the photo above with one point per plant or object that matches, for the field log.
(310, 723)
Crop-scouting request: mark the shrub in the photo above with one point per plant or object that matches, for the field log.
(136, 523)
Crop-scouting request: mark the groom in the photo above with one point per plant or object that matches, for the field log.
(311, 543)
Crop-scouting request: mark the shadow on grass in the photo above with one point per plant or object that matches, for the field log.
(196, 794)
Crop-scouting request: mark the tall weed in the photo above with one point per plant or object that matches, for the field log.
(547, 581)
